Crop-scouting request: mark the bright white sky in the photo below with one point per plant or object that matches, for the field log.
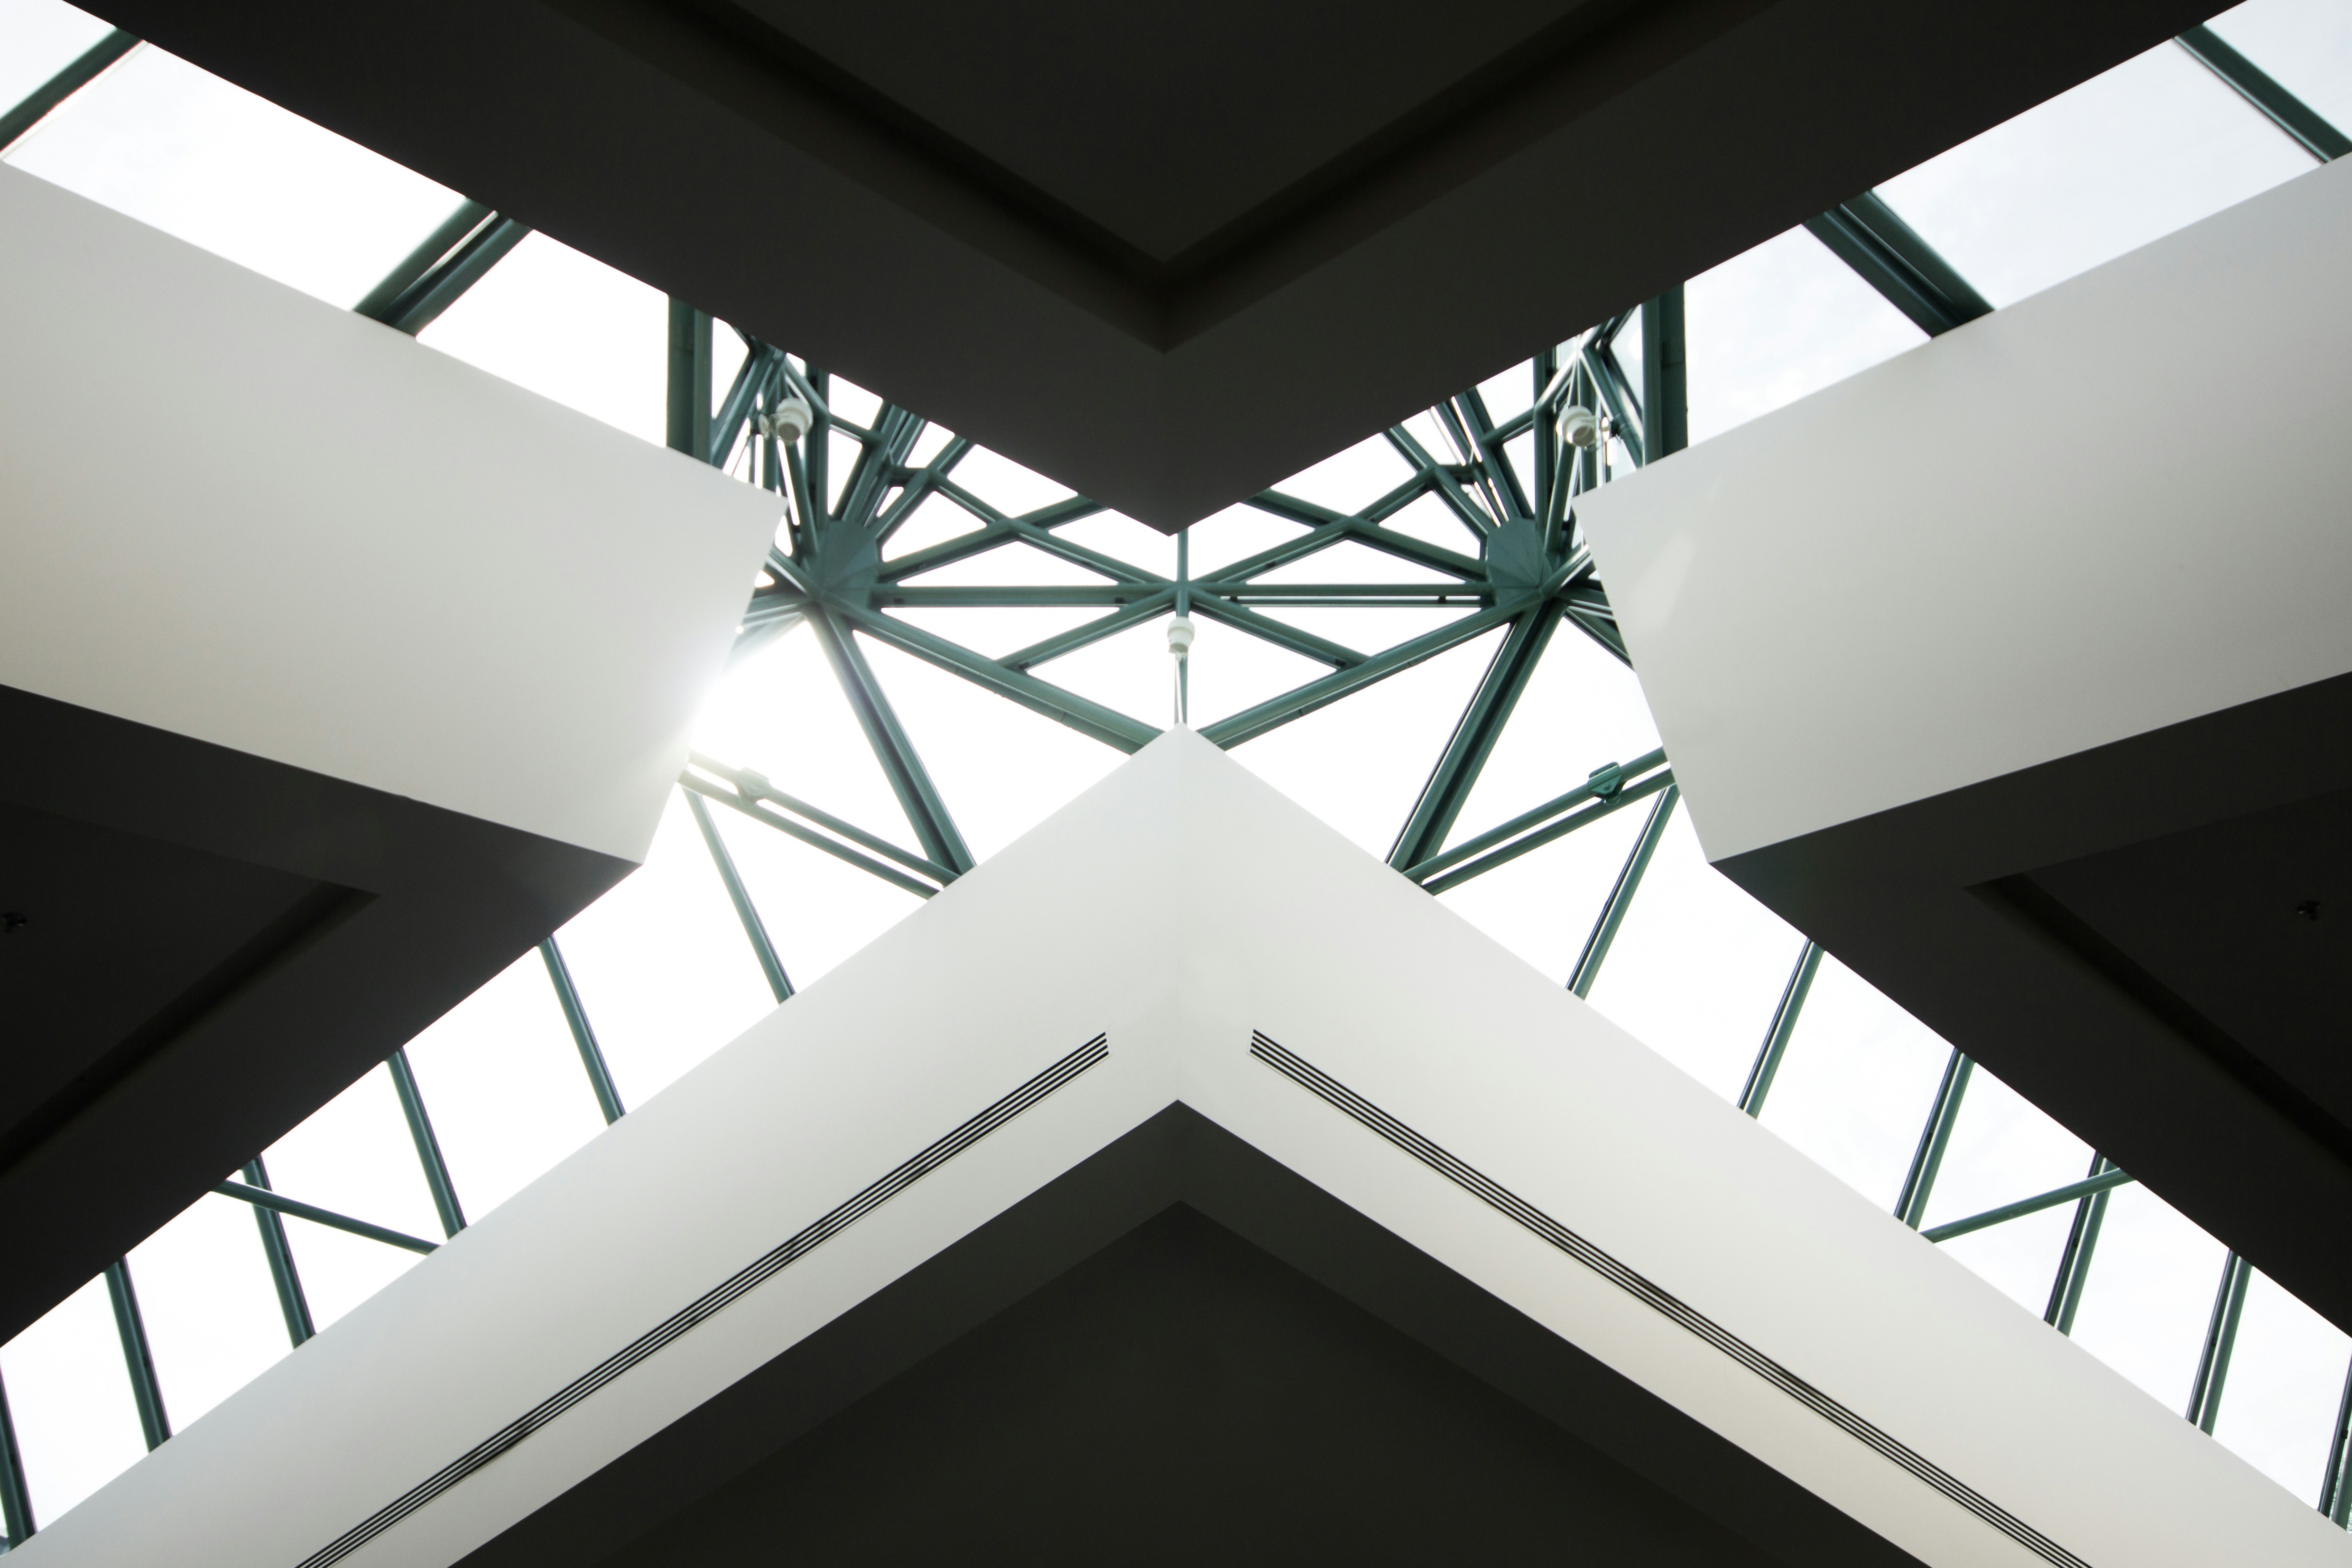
(663, 968)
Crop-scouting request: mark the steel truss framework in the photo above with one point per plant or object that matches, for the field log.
(1520, 567)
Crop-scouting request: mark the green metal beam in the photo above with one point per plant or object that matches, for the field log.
(753, 788)
(754, 380)
(2082, 1244)
(1092, 718)
(2335, 1495)
(1607, 785)
(423, 292)
(1045, 649)
(997, 531)
(1943, 1115)
(428, 1147)
(2297, 119)
(737, 894)
(1329, 528)
(278, 1203)
(1781, 1030)
(1889, 255)
(292, 1303)
(138, 1356)
(1619, 901)
(927, 814)
(753, 808)
(1440, 478)
(1267, 629)
(2221, 1338)
(1447, 789)
(1296, 703)
(468, 217)
(16, 1521)
(1666, 377)
(584, 1037)
(2050, 1200)
(689, 382)
(43, 101)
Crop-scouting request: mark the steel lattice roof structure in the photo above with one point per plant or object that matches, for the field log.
(1152, 380)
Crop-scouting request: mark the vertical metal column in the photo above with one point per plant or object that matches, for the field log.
(2221, 1338)
(1621, 896)
(1547, 438)
(1665, 376)
(689, 380)
(2335, 1497)
(1783, 1026)
(274, 1246)
(1184, 609)
(137, 1357)
(2075, 1263)
(1929, 1158)
(592, 1056)
(15, 1497)
(428, 1148)
(741, 897)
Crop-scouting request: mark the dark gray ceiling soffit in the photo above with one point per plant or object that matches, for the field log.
(2149, 940)
(1167, 254)
(210, 946)
(1654, 1485)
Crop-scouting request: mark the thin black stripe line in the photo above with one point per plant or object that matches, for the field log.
(720, 1297)
(1510, 1204)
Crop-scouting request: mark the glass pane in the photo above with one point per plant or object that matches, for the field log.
(211, 1309)
(1001, 768)
(1359, 763)
(174, 147)
(69, 1396)
(1580, 709)
(2150, 1295)
(1123, 538)
(664, 972)
(2127, 157)
(1697, 966)
(1782, 320)
(38, 40)
(1351, 562)
(503, 1082)
(571, 329)
(1006, 485)
(781, 713)
(2285, 1384)
(1856, 1083)
(2003, 1149)
(2305, 45)
(817, 909)
(1542, 905)
(1351, 480)
(353, 1156)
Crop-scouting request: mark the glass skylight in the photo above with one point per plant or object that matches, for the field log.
(663, 967)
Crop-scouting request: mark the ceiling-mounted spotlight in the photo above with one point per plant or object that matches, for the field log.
(1578, 427)
(790, 420)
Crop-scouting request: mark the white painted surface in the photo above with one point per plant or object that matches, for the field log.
(2120, 504)
(1343, 961)
(232, 512)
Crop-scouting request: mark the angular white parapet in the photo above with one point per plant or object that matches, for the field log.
(1150, 940)
(235, 513)
(2117, 505)
(2017, 672)
(334, 673)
